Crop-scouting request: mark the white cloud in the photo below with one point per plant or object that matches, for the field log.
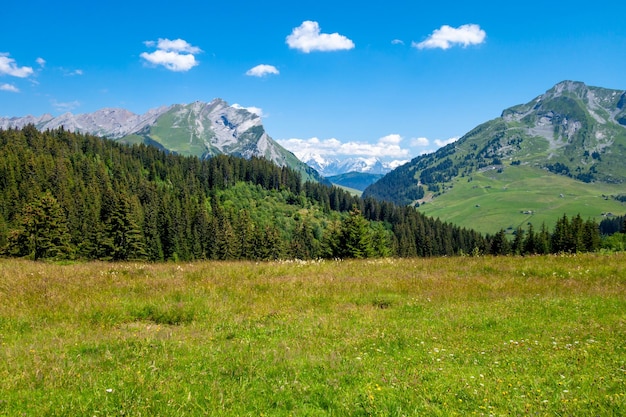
(441, 143)
(395, 164)
(177, 45)
(254, 110)
(9, 67)
(420, 142)
(393, 139)
(308, 37)
(9, 87)
(386, 147)
(68, 106)
(447, 36)
(262, 70)
(171, 60)
(72, 73)
(175, 55)
(41, 62)
(397, 42)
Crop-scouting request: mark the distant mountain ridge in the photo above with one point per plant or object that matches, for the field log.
(329, 167)
(197, 129)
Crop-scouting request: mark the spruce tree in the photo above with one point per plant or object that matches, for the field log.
(530, 243)
(355, 238)
(43, 233)
(591, 236)
(500, 244)
(123, 234)
(518, 242)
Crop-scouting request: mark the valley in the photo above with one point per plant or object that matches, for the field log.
(560, 153)
(491, 200)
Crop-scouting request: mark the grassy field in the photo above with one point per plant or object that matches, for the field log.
(519, 195)
(437, 337)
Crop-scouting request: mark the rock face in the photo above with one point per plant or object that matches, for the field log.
(572, 130)
(197, 129)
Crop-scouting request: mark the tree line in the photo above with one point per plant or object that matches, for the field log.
(66, 195)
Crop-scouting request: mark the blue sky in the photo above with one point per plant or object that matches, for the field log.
(391, 79)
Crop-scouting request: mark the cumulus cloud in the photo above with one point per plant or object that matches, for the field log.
(262, 70)
(420, 142)
(391, 140)
(308, 37)
(254, 110)
(395, 164)
(446, 36)
(9, 87)
(441, 143)
(175, 55)
(177, 45)
(41, 62)
(397, 42)
(386, 147)
(9, 67)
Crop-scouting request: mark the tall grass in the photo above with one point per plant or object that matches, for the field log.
(445, 336)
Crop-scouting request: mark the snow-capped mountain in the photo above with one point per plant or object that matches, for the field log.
(331, 166)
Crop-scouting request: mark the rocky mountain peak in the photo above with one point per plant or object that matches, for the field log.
(568, 86)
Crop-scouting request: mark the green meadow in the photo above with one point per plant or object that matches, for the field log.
(491, 200)
(391, 337)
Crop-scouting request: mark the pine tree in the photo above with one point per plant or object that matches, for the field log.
(561, 240)
(500, 244)
(591, 236)
(355, 240)
(43, 233)
(304, 245)
(123, 235)
(382, 241)
(543, 240)
(577, 243)
(530, 243)
(244, 232)
(518, 242)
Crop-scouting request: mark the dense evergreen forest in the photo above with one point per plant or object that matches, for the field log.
(65, 195)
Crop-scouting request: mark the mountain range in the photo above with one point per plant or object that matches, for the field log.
(329, 167)
(561, 152)
(197, 129)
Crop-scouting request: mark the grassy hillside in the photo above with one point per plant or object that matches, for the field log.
(491, 200)
(567, 141)
(352, 191)
(486, 336)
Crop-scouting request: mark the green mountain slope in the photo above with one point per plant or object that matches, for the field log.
(208, 129)
(570, 141)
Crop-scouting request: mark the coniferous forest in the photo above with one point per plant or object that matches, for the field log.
(66, 195)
